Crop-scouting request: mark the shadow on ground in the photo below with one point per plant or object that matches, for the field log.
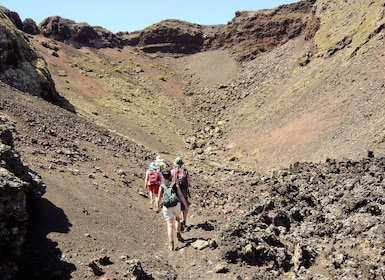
(41, 257)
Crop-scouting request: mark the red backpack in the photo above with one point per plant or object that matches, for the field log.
(180, 177)
(153, 177)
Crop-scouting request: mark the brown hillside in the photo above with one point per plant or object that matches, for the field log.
(273, 114)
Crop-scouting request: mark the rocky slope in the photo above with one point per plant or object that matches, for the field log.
(309, 220)
(274, 114)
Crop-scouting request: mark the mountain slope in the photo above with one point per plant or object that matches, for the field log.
(278, 111)
(283, 106)
(236, 115)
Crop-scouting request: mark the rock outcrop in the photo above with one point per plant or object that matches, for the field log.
(30, 27)
(251, 33)
(17, 184)
(314, 212)
(79, 34)
(172, 36)
(20, 65)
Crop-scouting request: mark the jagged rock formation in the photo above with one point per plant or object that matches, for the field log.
(314, 212)
(247, 35)
(30, 27)
(13, 16)
(17, 183)
(20, 65)
(251, 33)
(79, 34)
(171, 36)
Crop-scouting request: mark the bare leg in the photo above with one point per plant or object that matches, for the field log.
(170, 229)
(151, 197)
(156, 202)
(170, 233)
(177, 226)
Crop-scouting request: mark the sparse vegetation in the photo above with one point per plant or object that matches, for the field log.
(244, 121)
(119, 69)
(381, 138)
(235, 156)
(50, 45)
(255, 152)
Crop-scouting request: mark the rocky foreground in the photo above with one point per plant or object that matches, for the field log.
(311, 221)
(18, 184)
(314, 221)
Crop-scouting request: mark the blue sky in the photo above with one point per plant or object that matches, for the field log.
(127, 15)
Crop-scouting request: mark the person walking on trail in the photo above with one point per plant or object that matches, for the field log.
(181, 178)
(160, 162)
(170, 205)
(152, 182)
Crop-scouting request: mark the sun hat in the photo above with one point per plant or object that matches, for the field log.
(153, 166)
(178, 161)
(158, 158)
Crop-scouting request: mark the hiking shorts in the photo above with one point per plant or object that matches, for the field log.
(171, 212)
(154, 189)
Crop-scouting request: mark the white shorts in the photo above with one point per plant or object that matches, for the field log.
(171, 212)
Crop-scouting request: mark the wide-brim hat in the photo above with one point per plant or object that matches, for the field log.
(153, 165)
(178, 161)
(158, 158)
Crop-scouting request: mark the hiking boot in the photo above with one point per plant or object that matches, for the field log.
(182, 226)
(171, 246)
(180, 238)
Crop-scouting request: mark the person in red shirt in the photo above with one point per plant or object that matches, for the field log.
(152, 182)
(181, 177)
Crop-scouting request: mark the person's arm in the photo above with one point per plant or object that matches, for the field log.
(181, 198)
(145, 180)
(160, 197)
(188, 184)
(161, 178)
(173, 175)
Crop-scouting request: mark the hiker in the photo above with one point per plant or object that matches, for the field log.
(160, 162)
(152, 182)
(170, 204)
(180, 176)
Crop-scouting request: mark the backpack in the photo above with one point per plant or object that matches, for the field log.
(170, 197)
(153, 177)
(180, 177)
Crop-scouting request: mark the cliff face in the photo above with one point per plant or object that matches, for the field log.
(79, 34)
(172, 36)
(20, 65)
(252, 33)
(17, 184)
(246, 36)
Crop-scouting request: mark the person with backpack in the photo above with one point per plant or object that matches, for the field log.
(152, 182)
(180, 177)
(170, 203)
